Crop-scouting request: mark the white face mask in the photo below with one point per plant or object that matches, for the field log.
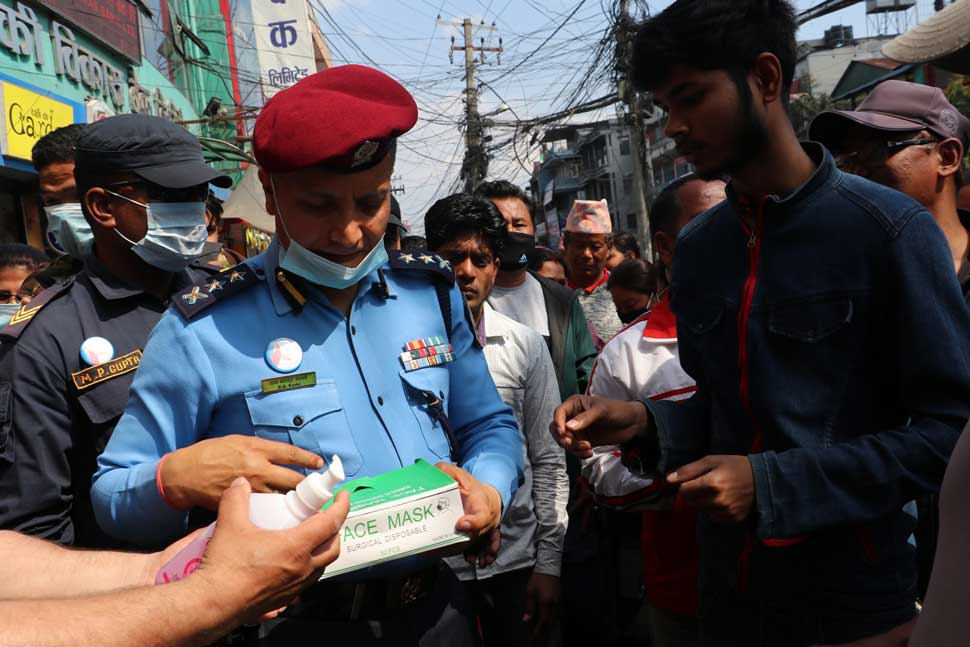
(322, 271)
(176, 233)
(68, 231)
(7, 311)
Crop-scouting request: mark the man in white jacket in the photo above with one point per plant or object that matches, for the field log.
(641, 362)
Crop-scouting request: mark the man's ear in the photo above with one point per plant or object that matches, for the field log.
(768, 77)
(951, 157)
(664, 244)
(97, 205)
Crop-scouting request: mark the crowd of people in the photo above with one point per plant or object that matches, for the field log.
(750, 437)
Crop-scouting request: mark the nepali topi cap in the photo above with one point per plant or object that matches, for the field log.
(343, 119)
(589, 217)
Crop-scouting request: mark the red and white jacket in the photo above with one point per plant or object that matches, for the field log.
(639, 363)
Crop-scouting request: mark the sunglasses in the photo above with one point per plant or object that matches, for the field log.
(878, 151)
(8, 297)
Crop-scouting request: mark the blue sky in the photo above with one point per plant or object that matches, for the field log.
(404, 39)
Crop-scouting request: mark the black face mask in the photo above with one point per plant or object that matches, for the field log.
(629, 317)
(517, 251)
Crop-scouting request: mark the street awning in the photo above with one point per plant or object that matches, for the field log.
(862, 76)
(248, 202)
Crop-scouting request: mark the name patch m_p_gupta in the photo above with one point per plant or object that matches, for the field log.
(106, 370)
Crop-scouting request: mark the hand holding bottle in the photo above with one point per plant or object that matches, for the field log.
(257, 571)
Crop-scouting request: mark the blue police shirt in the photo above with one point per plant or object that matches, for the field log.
(201, 378)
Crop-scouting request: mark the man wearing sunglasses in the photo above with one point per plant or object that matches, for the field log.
(73, 350)
(909, 137)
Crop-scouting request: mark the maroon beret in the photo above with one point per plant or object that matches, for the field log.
(342, 118)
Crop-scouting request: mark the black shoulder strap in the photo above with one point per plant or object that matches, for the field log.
(18, 323)
(193, 300)
(423, 260)
(442, 291)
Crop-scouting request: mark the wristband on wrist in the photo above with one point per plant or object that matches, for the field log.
(158, 482)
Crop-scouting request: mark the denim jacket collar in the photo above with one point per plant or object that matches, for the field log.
(825, 176)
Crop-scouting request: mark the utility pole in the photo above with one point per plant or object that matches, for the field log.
(399, 187)
(475, 165)
(475, 162)
(642, 181)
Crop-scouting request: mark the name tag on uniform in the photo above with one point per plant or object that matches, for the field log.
(421, 353)
(106, 370)
(289, 382)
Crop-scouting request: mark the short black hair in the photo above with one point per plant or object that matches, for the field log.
(626, 243)
(665, 210)
(635, 274)
(715, 35)
(505, 189)
(56, 147)
(412, 242)
(19, 255)
(214, 205)
(542, 255)
(462, 214)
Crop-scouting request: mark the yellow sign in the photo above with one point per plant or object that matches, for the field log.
(28, 116)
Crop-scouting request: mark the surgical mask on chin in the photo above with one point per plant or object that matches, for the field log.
(68, 231)
(315, 268)
(175, 237)
(7, 311)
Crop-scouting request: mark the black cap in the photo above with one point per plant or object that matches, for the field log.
(156, 149)
(395, 217)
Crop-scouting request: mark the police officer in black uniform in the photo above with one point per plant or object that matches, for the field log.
(68, 357)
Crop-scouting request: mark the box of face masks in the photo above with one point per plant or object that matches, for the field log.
(406, 512)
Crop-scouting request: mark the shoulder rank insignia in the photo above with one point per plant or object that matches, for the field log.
(27, 311)
(418, 259)
(217, 287)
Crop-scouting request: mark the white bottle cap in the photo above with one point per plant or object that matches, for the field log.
(317, 488)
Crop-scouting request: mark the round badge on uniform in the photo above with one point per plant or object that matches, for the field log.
(284, 355)
(96, 350)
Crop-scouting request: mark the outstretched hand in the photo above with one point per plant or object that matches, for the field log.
(586, 421)
(198, 474)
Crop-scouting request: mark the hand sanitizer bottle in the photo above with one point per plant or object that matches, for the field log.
(270, 511)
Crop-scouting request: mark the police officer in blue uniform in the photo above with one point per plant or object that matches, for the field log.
(353, 331)
(68, 356)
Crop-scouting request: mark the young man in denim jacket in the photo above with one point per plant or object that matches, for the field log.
(821, 317)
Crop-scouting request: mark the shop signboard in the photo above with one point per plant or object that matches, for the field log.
(102, 77)
(552, 224)
(284, 47)
(114, 23)
(29, 114)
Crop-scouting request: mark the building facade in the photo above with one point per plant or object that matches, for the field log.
(823, 61)
(77, 61)
(595, 161)
(584, 162)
